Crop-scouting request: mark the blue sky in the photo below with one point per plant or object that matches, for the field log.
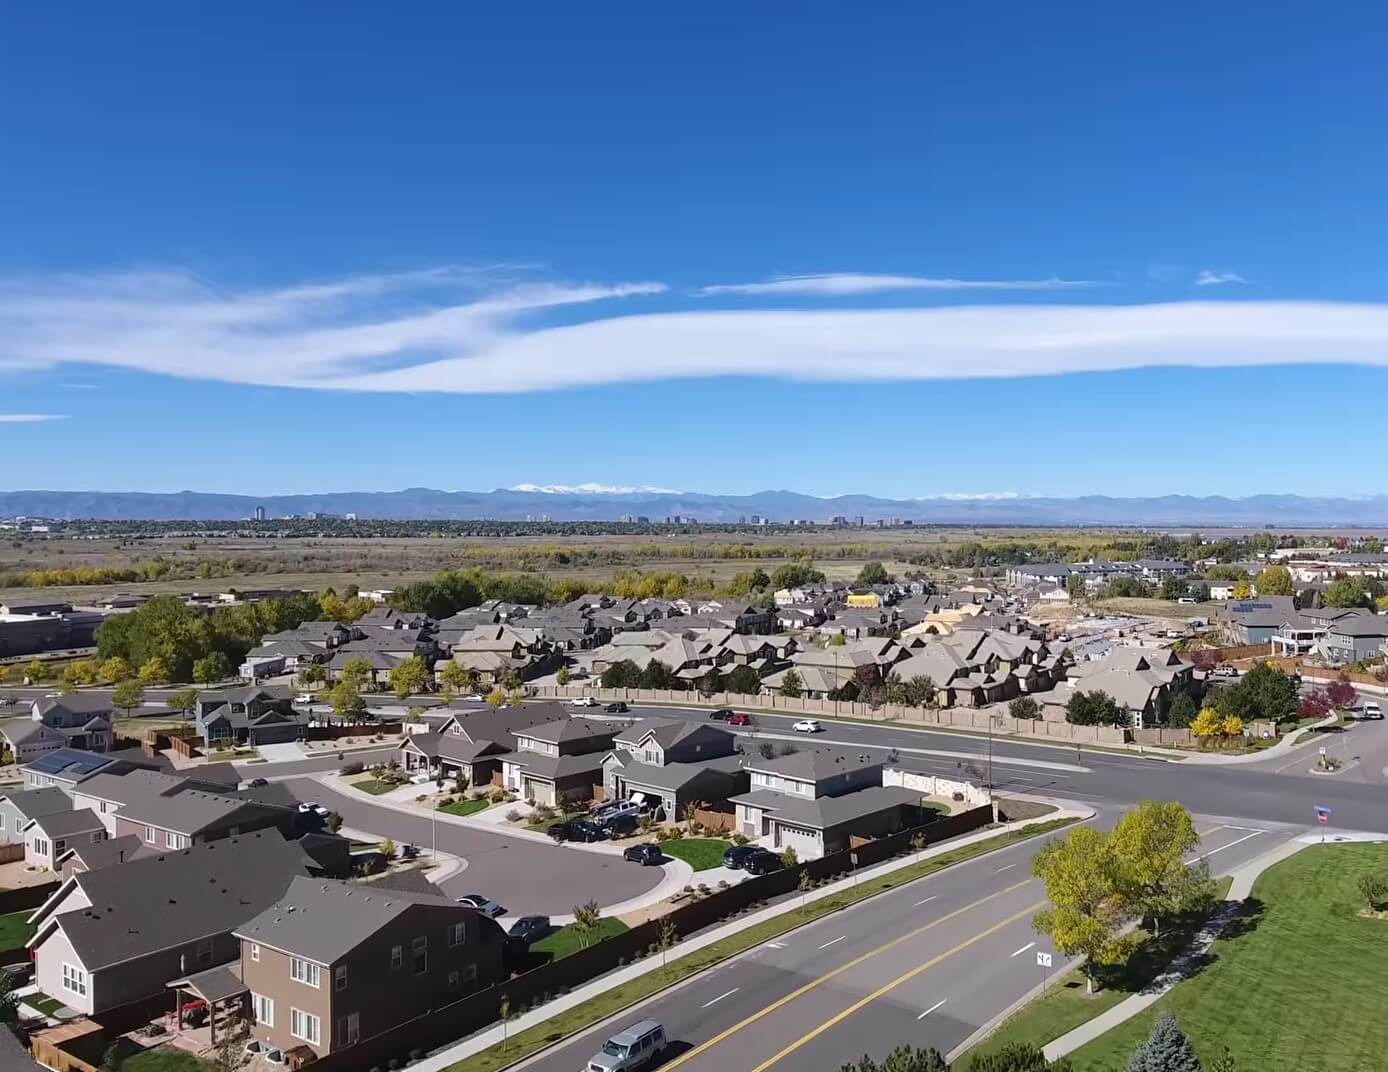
(308, 247)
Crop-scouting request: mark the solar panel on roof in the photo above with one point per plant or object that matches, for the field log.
(69, 760)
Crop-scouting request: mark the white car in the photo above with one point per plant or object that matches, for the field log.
(313, 806)
(807, 725)
(485, 905)
(584, 701)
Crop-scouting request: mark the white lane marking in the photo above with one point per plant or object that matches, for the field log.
(840, 938)
(932, 1008)
(720, 997)
(774, 945)
(926, 901)
(1022, 950)
(1237, 841)
(1005, 867)
(1254, 829)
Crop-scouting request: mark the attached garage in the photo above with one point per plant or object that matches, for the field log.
(538, 791)
(807, 843)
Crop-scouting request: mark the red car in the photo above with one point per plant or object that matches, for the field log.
(739, 719)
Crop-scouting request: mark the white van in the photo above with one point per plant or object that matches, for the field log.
(639, 1046)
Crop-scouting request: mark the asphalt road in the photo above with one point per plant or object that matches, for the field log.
(928, 963)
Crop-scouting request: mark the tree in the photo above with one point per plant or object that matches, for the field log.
(114, 669)
(1231, 726)
(9, 1004)
(838, 640)
(357, 671)
(1242, 589)
(1150, 844)
(586, 919)
(791, 686)
(453, 676)
(1374, 889)
(789, 856)
(1206, 726)
(1314, 705)
(111, 1059)
(1075, 587)
(1173, 588)
(711, 682)
(1088, 911)
(1182, 711)
(210, 668)
(409, 676)
(872, 573)
(666, 939)
(1024, 707)
(623, 674)
(496, 697)
(745, 680)
(656, 675)
(1341, 693)
(1345, 592)
(1018, 1057)
(183, 701)
(1166, 1049)
(563, 677)
(128, 695)
(346, 699)
(35, 670)
(6, 672)
(795, 574)
(1274, 581)
(1094, 709)
(388, 849)
(154, 670)
(902, 1059)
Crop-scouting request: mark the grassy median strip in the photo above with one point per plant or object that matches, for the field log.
(598, 1008)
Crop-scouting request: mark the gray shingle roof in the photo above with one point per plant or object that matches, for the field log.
(66, 823)
(815, 764)
(109, 853)
(31, 803)
(822, 813)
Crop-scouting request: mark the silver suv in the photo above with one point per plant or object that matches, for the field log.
(639, 1046)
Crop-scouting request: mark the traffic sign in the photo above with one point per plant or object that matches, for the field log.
(1322, 814)
(1043, 959)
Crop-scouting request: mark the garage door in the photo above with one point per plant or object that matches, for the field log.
(806, 843)
(539, 792)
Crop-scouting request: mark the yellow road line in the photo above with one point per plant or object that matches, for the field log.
(689, 1055)
(902, 978)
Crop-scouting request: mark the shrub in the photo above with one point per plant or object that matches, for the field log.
(355, 767)
(513, 816)
(740, 839)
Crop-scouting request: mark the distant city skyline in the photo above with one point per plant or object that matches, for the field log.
(912, 253)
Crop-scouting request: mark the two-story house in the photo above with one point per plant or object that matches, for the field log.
(1354, 638)
(66, 767)
(671, 764)
(331, 963)
(559, 761)
(83, 718)
(48, 837)
(19, 806)
(471, 742)
(814, 800)
(251, 714)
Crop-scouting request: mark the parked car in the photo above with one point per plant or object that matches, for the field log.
(808, 725)
(254, 783)
(762, 862)
(314, 807)
(584, 701)
(1372, 712)
(618, 807)
(639, 1046)
(485, 905)
(623, 822)
(722, 714)
(1224, 671)
(739, 719)
(734, 856)
(529, 929)
(618, 708)
(577, 830)
(647, 855)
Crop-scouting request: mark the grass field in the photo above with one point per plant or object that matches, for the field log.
(374, 786)
(465, 807)
(164, 1059)
(566, 940)
(699, 853)
(15, 929)
(1300, 987)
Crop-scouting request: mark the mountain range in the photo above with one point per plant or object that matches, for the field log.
(608, 503)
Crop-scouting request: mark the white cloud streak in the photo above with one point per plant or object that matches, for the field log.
(432, 332)
(1210, 278)
(848, 284)
(30, 418)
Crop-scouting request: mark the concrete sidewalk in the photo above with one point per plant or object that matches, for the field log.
(1281, 749)
(441, 1059)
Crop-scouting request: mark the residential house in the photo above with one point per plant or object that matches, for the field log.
(170, 811)
(107, 852)
(672, 764)
(497, 652)
(48, 837)
(1256, 621)
(82, 718)
(1354, 637)
(814, 800)
(331, 963)
(116, 935)
(19, 806)
(387, 618)
(559, 761)
(252, 715)
(65, 767)
(27, 740)
(1142, 681)
(471, 742)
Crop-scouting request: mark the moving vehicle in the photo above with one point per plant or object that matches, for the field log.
(734, 856)
(1372, 712)
(577, 830)
(762, 862)
(485, 905)
(254, 783)
(529, 929)
(721, 715)
(618, 708)
(314, 807)
(739, 719)
(639, 1046)
(1224, 671)
(808, 725)
(647, 855)
(584, 701)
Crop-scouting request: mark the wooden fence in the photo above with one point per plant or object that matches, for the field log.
(26, 897)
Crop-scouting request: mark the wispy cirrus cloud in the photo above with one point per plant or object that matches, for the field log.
(30, 418)
(848, 284)
(1210, 278)
(439, 332)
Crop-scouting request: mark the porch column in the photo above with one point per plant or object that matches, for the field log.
(212, 1021)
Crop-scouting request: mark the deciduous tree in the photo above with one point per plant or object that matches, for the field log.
(1150, 844)
(1088, 911)
(1341, 693)
(153, 671)
(744, 680)
(183, 701)
(1206, 725)
(791, 686)
(1024, 707)
(357, 671)
(128, 695)
(346, 699)
(1274, 581)
(902, 1059)
(872, 573)
(409, 676)
(114, 669)
(213, 667)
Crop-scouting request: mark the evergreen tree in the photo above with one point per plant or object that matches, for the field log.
(1166, 1049)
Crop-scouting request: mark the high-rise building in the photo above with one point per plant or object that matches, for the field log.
(260, 513)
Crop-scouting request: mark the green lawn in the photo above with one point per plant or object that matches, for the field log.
(164, 1059)
(1066, 1005)
(374, 786)
(1299, 988)
(565, 940)
(699, 853)
(41, 1001)
(15, 929)
(465, 807)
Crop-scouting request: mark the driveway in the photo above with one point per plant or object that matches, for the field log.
(522, 875)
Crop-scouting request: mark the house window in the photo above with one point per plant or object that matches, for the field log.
(98, 837)
(470, 973)
(40, 847)
(255, 952)
(149, 834)
(204, 951)
(59, 846)
(457, 932)
(340, 977)
(420, 949)
(74, 980)
(303, 971)
(348, 1029)
(303, 1025)
(264, 1009)
(650, 755)
(397, 957)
